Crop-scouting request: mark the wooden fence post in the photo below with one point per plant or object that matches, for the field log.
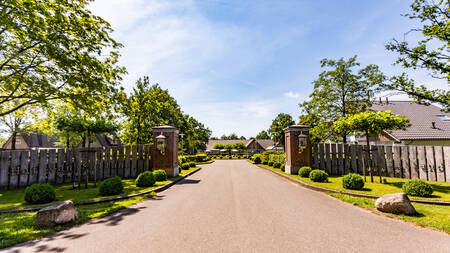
(34, 167)
(328, 158)
(405, 162)
(446, 151)
(24, 168)
(4, 169)
(389, 162)
(431, 165)
(413, 162)
(42, 166)
(51, 168)
(60, 166)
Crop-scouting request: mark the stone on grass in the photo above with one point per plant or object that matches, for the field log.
(57, 214)
(397, 203)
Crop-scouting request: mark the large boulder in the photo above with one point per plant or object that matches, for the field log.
(397, 203)
(57, 214)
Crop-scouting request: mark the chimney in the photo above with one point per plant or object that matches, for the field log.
(433, 125)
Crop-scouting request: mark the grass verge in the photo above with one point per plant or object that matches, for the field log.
(19, 227)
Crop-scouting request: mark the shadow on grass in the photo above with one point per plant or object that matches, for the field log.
(116, 218)
(441, 188)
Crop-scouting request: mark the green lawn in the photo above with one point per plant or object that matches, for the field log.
(13, 199)
(393, 185)
(18, 227)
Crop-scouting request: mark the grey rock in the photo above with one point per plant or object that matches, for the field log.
(57, 214)
(397, 203)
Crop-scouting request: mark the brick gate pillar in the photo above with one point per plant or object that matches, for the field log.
(298, 148)
(165, 156)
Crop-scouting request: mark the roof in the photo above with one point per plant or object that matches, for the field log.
(39, 141)
(108, 141)
(264, 143)
(421, 118)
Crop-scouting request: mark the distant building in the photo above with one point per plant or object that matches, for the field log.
(429, 125)
(101, 140)
(32, 141)
(252, 146)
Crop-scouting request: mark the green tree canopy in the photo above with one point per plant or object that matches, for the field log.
(339, 91)
(430, 53)
(372, 124)
(196, 134)
(232, 136)
(263, 135)
(219, 146)
(53, 50)
(276, 131)
(239, 146)
(229, 147)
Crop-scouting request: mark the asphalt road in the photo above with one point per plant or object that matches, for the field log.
(233, 206)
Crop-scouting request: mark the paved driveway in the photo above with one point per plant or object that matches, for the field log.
(233, 206)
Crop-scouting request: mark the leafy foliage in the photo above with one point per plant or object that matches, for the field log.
(39, 194)
(430, 53)
(257, 160)
(111, 186)
(219, 146)
(304, 171)
(338, 92)
(160, 175)
(276, 131)
(263, 135)
(55, 50)
(318, 176)
(145, 179)
(417, 187)
(239, 146)
(352, 181)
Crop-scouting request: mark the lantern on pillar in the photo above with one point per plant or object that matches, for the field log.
(161, 143)
(302, 142)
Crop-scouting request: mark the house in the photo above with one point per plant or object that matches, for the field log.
(429, 125)
(101, 140)
(32, 141)
(252, 146)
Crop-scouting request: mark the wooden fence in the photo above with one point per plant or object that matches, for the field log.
(425, 162)
(20, 168)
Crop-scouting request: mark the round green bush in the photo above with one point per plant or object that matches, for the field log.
(145, 179)
(257, 160)
(304, 171)
(39, 194)
(417, 187)
(265, 162)
(192, 164)
(282, 167)
(111, 186)
(276, 165)
(352, 181)
(270, 163)
(185, 166)
(160, 175)
(318, 176)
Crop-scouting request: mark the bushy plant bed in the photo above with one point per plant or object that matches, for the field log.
(276, 165)
(417, 187)
(265, 162)
(270, 163)
(111, 186)
(191, 164)
(39, 194)
(185, 166)
(352, 181)
(282, 167)
(304, 171)
(318, 176)
(257, 160)
(145, 179)
(160, 175)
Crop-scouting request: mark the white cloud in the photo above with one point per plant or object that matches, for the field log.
(291, 94)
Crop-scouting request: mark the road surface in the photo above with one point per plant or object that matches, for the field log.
(234, 206)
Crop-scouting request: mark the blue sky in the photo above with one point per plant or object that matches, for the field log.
(234, 65)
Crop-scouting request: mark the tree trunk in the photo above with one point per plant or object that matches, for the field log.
(13, 140)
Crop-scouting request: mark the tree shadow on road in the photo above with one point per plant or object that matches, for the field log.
(189, 181)
(116, 218)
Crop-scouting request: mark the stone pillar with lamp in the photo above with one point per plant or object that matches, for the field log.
(165, 150)
(298, 148)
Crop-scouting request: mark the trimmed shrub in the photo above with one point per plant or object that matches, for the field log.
(111, 186)
(304, 171)
(39, 194)
(318, 176)
(160, 175)
(192, 164)
(265, 162)
(417, 187)
(185, 166)
(352, 181)
(145, 179)
(270, 163)
(230, 157)
(276, 165)
(257, 160)
(282, 167)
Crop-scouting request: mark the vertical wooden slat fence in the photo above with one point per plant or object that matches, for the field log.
(425, 162)
(20, 168)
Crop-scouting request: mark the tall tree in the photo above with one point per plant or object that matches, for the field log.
(147, 106)
(55, 50)
(276, 131)
(196, 134)
(19, 121)
(372, 124)
(339, 91)
(430, 53)
(263, 135)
